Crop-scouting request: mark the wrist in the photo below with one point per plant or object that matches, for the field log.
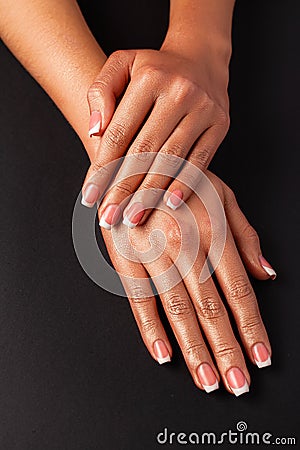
(215, 49)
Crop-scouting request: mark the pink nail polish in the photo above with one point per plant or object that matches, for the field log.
(207, 377)
(110, 216)
(267, 267)
(133, 215)
(95, 123)
(175, 199)
(237, 381)
(90, 195)
(261, 355)
(161, 351)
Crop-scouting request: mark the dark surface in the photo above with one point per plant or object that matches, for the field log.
(74, 373)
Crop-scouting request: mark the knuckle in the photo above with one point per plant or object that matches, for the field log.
(124, 188)
(249, 233)
(97, 166)
(205, 102)
(154, 184)
(239, 288)
(224, 119)
(148, 326)
(201, 157)
(143, 149)
(251, 327)
(194, 349)
(149, 74)
(184, 88)
(115, 136)
(115, 62)
(230, 198)
(172, 156)
(210, 307)
(226, 351)
(95, 90)
(176, 306)
(117, 56)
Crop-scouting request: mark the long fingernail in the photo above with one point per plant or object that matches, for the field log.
(161, 352)
(95, 123)
(134, 215)
(237, 381)
(261, 355)
(175, 199)
(110, 216)
(207, 377)
(90, 195)
(267, 267)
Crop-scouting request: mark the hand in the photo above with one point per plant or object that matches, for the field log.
(190, 304)
(172, 105)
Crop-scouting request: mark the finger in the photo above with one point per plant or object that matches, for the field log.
(200, 156)
(168, 161)
(143, 304)
(141, 154)
(107, 87)
(184, 323)
(129, 115)
(215, 323)
(246, 239)
(234, 282)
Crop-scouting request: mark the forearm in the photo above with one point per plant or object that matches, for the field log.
(199, 28)
(53, 42)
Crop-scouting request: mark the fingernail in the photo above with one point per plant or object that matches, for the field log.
(175, 199)
(110, 216)
(237, 381)
(207, 377)
(261, 355)
(134, 215)
(161, 352)
(267, 267)
(90, 195)
(95, 123)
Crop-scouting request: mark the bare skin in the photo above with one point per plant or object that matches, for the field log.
(60, 52)
(193, 308)
(183, 85)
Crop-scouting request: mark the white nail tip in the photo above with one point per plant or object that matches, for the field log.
(265, 363)
(211, 388)
(87, 204)
(241, 390)
(95, 129)
(129, 224)
(164, 360)
(104, 224)
(270, 272)
(170, 205)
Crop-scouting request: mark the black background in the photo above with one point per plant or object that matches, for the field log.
(73, 371)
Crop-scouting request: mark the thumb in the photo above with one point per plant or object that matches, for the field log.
(107, 87)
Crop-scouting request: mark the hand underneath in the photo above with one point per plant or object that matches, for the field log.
(195, 305)
(169, 105)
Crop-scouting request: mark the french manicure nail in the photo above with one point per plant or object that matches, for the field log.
(90, 195)
(237, 381)
(161, 352)
(207, 377)
(175, 199)
(110, 216)
(267, 267)
(95, 123)
(261, 355)
(133, 215)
